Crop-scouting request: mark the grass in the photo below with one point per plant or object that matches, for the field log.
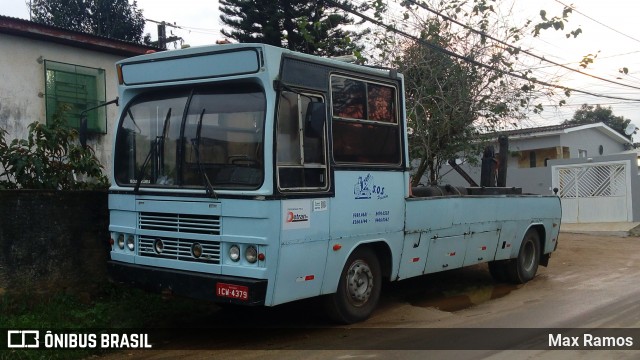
(115, 307)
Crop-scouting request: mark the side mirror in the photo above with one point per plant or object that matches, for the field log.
(315, 119)
(82, 132)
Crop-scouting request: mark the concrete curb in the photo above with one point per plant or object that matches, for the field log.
(610, 229)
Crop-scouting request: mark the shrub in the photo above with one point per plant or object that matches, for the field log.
(49, 158)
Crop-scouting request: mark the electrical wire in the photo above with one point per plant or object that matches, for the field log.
(465, 58)
(481, 33)
(572, 7)
(187, 28)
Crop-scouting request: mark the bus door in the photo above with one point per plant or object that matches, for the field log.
(302, 179)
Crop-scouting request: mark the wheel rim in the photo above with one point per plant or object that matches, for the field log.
(529, 257)
(359, 283)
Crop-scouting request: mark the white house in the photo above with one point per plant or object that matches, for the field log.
(591, 166)
(531, 149)
(43, 66)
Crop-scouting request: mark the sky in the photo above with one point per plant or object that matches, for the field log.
(609, 29)
(198, 19)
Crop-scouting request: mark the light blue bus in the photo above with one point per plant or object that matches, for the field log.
(250, 174)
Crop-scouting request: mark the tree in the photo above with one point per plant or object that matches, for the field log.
(459, 76)
(49, 158)
(439, 104)
(116, 19)
(306, 26)
(588, 114)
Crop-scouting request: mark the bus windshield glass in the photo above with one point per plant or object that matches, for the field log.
(193, 138)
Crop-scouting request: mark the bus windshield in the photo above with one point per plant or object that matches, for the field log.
(193, 138)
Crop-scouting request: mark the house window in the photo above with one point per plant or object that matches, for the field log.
(75, 88)
(532, 159)
(582, 153)
(365, 122)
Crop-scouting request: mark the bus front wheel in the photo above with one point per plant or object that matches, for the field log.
(358, 289)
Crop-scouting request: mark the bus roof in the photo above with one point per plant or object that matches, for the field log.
(230, 59)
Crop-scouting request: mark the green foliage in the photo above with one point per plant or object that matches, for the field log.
(556, 23)
(49, 158)
(451, 101)
(306, 26)
(114, 307)
(440, 107)
(588, 60)
(117, 19)
(589, 114)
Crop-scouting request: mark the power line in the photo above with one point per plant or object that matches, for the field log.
(599, 58)
(464, 58)
(572, 7)
(481, 33)
(163, 40)
(187, 28)
(161, 22)
(591, 104)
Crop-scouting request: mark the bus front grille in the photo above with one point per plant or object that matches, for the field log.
(182, 223)
(178, 249)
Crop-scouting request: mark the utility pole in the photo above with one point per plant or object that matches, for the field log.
(163, 40)
(162, 35)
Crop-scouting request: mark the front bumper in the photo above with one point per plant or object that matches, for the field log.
(186, 283)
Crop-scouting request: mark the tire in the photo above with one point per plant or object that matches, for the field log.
(498, 270)
(358, 289)
(524, 267)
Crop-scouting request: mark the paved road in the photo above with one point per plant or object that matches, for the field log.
(591, 283)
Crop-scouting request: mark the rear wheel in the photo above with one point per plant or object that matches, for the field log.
(524, 267)
(358, 289)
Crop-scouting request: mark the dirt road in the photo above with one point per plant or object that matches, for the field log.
(591, 282)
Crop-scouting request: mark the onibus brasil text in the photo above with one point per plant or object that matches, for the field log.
(53, 340)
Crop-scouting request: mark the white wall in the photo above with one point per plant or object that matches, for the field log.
(534, 143)
(590, 140)
(22, 86)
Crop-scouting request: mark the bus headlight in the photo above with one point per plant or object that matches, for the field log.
(234, 253)
(251, 254)
(131, 242)
(158, 246)
(121, 241)
(196, 250)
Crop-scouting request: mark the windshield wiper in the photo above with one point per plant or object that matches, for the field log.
(154, 150)
(133, 120)
(195, 143)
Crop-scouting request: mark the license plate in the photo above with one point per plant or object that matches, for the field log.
(232, 291)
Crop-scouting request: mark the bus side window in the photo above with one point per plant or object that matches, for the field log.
(288, 131)
(313, 144)
(301, 155)
(364, 122)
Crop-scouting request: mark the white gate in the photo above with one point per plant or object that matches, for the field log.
(594, 192)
